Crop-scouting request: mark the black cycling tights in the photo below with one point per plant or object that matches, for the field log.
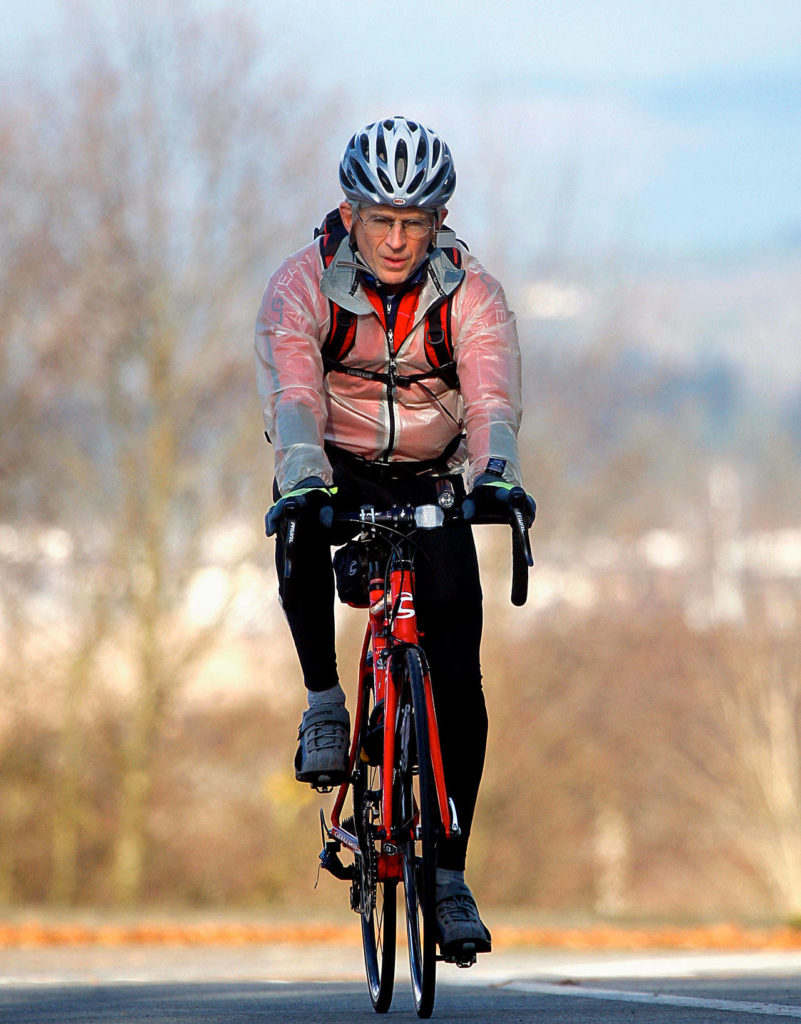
(449, 615)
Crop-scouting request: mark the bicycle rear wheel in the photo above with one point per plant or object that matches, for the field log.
(377, 900)
(419, 827)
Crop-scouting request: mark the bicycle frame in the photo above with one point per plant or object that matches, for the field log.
(392, 626)
(407, 783)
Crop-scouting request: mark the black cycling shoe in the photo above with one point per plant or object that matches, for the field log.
(322, 755)
(462, 933)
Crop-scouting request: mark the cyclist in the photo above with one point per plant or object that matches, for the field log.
(368, 398)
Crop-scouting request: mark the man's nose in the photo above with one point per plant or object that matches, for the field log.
(396, 237)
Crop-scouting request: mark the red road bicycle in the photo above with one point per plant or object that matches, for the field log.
(394, 808)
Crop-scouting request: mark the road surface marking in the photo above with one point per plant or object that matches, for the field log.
(654, 999)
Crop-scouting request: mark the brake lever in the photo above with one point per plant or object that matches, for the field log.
(521, 529)
(289, 538)
(522, 558)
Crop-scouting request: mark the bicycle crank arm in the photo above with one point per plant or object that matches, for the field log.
(329, 859)
(329, 855)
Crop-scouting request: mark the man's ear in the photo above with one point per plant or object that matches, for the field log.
(346, 213)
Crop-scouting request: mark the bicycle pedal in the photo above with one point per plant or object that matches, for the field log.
(463, 956)
(325, 783)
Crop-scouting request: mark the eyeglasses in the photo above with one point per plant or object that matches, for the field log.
(376, 226)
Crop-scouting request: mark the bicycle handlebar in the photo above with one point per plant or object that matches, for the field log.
(514, 515)
(427, 517)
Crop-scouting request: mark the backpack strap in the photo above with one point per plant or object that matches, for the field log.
(331, 232)
(438, 337)
(342, 323)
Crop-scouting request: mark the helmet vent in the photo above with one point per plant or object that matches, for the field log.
(364, 181)
(381, 147)
(401, 161)
(436, 181)
(383, 177)
(416, 181)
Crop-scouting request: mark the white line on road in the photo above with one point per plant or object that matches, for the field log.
(518, 965)
(680, 965)
(655, 999)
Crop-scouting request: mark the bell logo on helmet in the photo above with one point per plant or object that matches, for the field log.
(399, 202)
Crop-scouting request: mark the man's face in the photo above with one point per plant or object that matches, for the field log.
(392, 253)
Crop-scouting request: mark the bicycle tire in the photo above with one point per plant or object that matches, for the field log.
(416, 813)
(378, 900)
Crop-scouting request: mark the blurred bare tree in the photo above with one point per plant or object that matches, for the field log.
(738, 757)
(150, 183)
(153, 176)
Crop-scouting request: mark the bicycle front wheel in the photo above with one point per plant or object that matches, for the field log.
(418, 823)
(378, 942)
(377, 899)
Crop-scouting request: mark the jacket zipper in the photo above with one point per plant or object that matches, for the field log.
(392, 388)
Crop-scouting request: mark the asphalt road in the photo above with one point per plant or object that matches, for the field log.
(286, 984)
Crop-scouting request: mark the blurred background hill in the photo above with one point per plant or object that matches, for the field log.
(633, 178)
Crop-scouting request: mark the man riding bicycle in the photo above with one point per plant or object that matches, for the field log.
(387, 362)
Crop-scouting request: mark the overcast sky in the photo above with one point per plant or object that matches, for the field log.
(585, 39)
(589, 40)
(677, 122)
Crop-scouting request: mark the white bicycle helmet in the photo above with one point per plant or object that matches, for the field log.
(400, 162)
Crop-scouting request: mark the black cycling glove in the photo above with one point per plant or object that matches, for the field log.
(309, 495)
(491, 496)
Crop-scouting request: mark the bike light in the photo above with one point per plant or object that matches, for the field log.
(446, 497)
(428, 517)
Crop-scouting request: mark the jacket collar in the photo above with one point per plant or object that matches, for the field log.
(340, 280)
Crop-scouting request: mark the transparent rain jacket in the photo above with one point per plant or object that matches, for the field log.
(304, 407)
